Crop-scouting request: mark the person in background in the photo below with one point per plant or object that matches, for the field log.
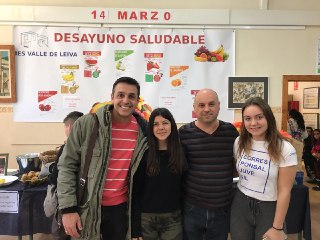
(207, 189)
(315, 151)
(157, 184)
(120, 145)
(68, 121)
(295, 125)
(306, 154)
(266, 163)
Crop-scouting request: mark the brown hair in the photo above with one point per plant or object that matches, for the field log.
(273, 136)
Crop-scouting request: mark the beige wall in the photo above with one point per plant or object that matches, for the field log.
(271, 53)
(298, 94)
(200, 4)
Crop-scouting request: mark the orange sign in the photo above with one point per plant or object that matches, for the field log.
(174, 70)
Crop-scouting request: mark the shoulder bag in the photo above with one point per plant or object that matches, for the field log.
(92, 141)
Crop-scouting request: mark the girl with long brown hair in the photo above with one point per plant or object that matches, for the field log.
(266, 163)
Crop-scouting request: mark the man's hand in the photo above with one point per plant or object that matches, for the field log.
(72, 223)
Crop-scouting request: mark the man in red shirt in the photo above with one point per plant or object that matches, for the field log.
(117, 153)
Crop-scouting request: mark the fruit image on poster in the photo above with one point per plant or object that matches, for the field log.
(204, 55)
(178, 77)
(154, 73)
(123, 62)
(69, 79)
(47, 101)
(91, 59)
(82, 64)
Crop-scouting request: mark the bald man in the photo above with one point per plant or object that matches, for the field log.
(208, 144)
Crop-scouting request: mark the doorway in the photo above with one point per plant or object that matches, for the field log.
(285, 81)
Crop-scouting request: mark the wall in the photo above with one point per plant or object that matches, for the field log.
(239, 4)
(271, 53)
(297, 95)
(311, 5)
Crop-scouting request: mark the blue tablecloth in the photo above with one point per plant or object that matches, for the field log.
(31, 218)
(298, 216)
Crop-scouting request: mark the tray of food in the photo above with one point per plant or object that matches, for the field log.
(32, 178)
(6, 180)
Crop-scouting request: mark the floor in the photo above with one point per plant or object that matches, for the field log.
(314, 208)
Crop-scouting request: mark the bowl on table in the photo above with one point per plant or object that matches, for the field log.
(28, 162)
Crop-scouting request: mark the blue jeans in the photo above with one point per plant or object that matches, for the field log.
(205, 224)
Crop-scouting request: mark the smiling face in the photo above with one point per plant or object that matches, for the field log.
(125, 100)
(206, 106)
(255, 122)
(161, 130)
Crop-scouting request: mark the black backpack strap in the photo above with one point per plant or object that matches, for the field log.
(83, 178)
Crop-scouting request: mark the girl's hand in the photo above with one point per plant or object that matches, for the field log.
(139, 238)
(273, 234)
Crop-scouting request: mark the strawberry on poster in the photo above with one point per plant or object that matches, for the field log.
(83, 63)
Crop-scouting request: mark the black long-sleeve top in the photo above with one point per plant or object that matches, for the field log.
(54, 168)
(307, 147)
(154, 194)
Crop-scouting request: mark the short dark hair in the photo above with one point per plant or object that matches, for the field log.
(72, 117)
(309, 128)
(127, 80)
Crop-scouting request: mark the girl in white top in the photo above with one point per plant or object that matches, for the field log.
(266, 164)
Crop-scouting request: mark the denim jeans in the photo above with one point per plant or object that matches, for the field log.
(205, 224)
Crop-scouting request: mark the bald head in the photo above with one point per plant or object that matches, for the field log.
(206, 93)
(206, 107)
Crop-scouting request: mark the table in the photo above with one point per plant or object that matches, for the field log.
(31, 218)
(298, 216)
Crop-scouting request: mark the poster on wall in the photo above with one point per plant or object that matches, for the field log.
(311, 120)
(311, 98)
(63, 69)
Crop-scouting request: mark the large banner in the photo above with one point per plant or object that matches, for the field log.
(59, 70)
